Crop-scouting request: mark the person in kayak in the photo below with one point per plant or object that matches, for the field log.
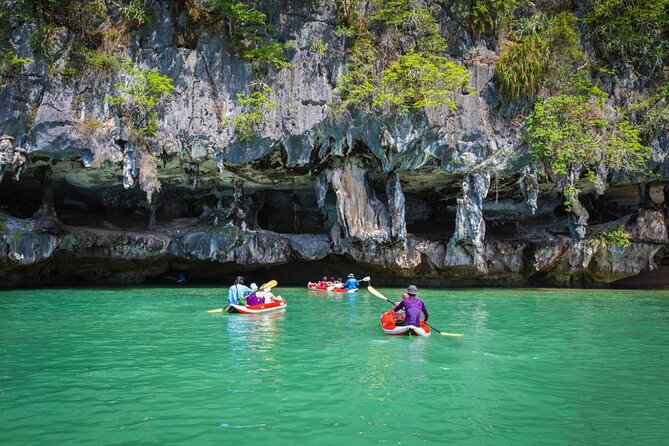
(254, 298)
(266, 295)
(238, 291)
(350, 283)
(412, 307)
(401, 314)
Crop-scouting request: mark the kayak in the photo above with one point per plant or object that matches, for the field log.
(388, 323)
(278, 304)
(316, 287)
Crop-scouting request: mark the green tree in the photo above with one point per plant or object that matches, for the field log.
(139, 94)
(255, 108)
(418, 80)
(631, 32)
(571, 135)
(396, 59)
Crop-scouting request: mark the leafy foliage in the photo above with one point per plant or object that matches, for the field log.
(544, 55)
(134, 12)
(268, 55)
(247, 27)
(396, 59)
(570, 135)
(256, 106)
(650, 115)
(87, 23)
(614, 237)
(358, 87)
(631, 32)
(419, 80)
(409, 18)
(520, 70)
(486, 15)
(10, 63)
(139, 94)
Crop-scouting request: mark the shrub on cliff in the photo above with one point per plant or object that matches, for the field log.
(246, 27)
(631, 32)
(573, 135)
(543, 55)
(139, 93)
(418, 80)
(397, 59)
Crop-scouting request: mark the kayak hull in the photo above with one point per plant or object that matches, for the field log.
(277, 305)
(315, 287)
(390, 327)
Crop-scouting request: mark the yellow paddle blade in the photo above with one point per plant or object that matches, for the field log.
(451, 334)
(376, 293)
(217, 310)
(270, 284)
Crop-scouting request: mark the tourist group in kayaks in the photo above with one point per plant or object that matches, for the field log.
(404, 318)
(336, 286)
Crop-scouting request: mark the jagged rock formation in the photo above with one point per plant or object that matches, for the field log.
(440, 196)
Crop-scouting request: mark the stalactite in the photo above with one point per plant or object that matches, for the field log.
(529, 187)
(152, 215)
(396, 206)
(361, 215)
(466, 245)
(46, 210)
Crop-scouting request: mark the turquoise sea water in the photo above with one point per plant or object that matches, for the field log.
(151, 366)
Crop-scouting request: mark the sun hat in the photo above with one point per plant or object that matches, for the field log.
(412, 290)
(351, 275)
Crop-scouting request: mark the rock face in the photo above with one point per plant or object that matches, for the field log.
(433, 195)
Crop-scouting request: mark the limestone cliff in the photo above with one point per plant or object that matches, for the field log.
(101, 190)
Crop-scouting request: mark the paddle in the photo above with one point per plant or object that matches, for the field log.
(381, 296)
(217, 310)
(269, 285)
(265, 286)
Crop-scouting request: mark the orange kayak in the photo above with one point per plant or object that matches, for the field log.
(278, 304)
(390, 327)
(315, 287)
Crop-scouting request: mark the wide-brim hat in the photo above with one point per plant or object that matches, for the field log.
(351, 275)
(412, 290)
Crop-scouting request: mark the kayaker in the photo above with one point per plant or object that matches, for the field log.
(254, 298)
(323, 281)
(238, 291)
(412, 307)
(350, 283)
(266, 295)
(401, 314)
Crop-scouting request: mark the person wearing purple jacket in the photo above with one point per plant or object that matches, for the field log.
(412, 307)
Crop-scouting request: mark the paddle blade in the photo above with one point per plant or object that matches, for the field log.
(217, 310)
(269, 285)
(372, 290)
(451, 334)
(365, 279)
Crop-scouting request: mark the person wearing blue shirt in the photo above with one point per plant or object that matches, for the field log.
(238, 291)
(350, 283)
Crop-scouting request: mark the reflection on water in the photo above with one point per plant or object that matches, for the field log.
(140, 365)
(253, 331)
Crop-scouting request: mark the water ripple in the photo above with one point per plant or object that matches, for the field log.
(132, 366)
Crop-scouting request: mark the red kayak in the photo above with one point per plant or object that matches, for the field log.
(389, 324)
(278, 304)
(316, 287)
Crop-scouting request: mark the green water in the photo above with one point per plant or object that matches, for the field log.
(150, 365)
